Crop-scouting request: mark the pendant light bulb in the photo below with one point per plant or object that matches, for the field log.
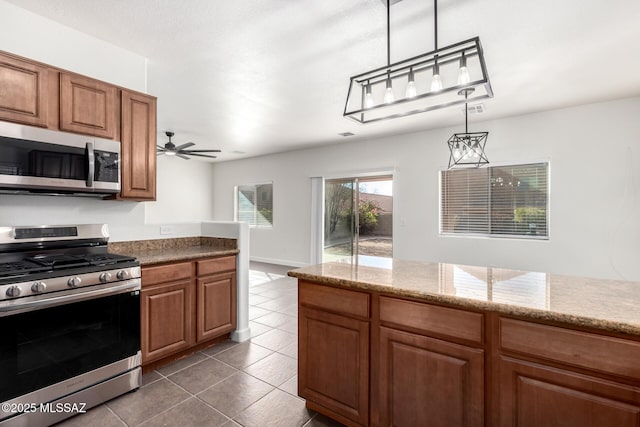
(436, 81)
(411, 86)
(456, 153)
(463, 74)
(368, 98)
(474, 151)
(388, 94)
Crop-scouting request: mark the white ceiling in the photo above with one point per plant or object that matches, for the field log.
(272, 75)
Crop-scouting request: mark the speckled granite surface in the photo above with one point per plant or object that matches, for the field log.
(610, 305)
(179, 249)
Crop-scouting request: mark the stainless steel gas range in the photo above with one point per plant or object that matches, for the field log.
(70, 322)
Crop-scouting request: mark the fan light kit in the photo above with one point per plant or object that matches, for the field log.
(423, 83)
(170, 149)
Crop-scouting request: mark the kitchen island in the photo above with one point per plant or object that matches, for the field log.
(390, 342)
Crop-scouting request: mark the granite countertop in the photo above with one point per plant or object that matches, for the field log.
(179, 249)
(611, 305)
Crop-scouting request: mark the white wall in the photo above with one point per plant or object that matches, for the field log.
(594, 202)
(33, 36)
(183, 192)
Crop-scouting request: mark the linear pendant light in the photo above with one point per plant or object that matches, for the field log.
(423, 83)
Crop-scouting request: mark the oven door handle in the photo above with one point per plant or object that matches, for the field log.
(39, 304)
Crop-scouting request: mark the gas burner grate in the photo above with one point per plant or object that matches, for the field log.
(8, 269)
(58, 262)
(107, 259)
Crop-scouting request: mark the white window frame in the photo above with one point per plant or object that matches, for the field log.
(235, 203)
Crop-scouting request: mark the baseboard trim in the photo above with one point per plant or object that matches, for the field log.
(279, 262)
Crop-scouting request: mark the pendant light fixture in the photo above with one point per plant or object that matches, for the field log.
(444, 71)
(467, 149)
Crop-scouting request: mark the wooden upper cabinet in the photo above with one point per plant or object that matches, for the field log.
(23, 91)
(138, 136)
(88, 106)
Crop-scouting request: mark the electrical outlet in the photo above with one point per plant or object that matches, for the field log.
(166, 229)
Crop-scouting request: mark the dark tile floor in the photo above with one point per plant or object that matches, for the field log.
(253, 384)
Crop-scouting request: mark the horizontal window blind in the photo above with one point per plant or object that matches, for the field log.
(496, 201)
(465, 201)
(254, 204)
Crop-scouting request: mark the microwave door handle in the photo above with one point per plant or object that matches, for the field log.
(91, 164)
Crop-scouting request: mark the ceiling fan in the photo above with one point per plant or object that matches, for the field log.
(170, 149)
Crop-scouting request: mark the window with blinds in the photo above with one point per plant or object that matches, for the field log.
(254, 204)
(497, 201)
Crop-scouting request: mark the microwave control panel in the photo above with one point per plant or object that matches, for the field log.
(107, 167)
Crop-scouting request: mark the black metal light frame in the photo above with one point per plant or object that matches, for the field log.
(467, 148)
(448, 57)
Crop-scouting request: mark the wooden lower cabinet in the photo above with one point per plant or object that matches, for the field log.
(333, 363)
(167, 319)
(533, 395)
(216, 314)
(370, 359)
(180, 309)
(429, 382)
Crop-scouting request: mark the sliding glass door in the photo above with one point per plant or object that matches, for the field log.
(358, 217)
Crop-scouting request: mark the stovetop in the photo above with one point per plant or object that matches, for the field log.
(44, 266)
(37, 260)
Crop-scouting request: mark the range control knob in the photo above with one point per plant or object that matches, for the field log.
(74, 282)
(38, 287)
(122, 274)
(13, 291)
(105, 277)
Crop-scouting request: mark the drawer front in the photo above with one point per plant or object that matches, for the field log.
(332, 299)
(582, 349)
(429, 318)
(166, 273)
(216, 265)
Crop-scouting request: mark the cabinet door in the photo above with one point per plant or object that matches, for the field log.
(23, 91)
(533, 395)
(216, 306)
(138, 146)
(333, 363)
(167, 319)
(429, 382)
(88, 106)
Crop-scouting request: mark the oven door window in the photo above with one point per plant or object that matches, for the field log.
(43, 347)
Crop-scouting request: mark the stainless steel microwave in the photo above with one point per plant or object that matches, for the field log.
(44, 161)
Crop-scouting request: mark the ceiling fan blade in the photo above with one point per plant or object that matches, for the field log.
(160, 147)
(182, 156)
(201, 155)
(160, 153)
(202, 151)
(188, 144)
